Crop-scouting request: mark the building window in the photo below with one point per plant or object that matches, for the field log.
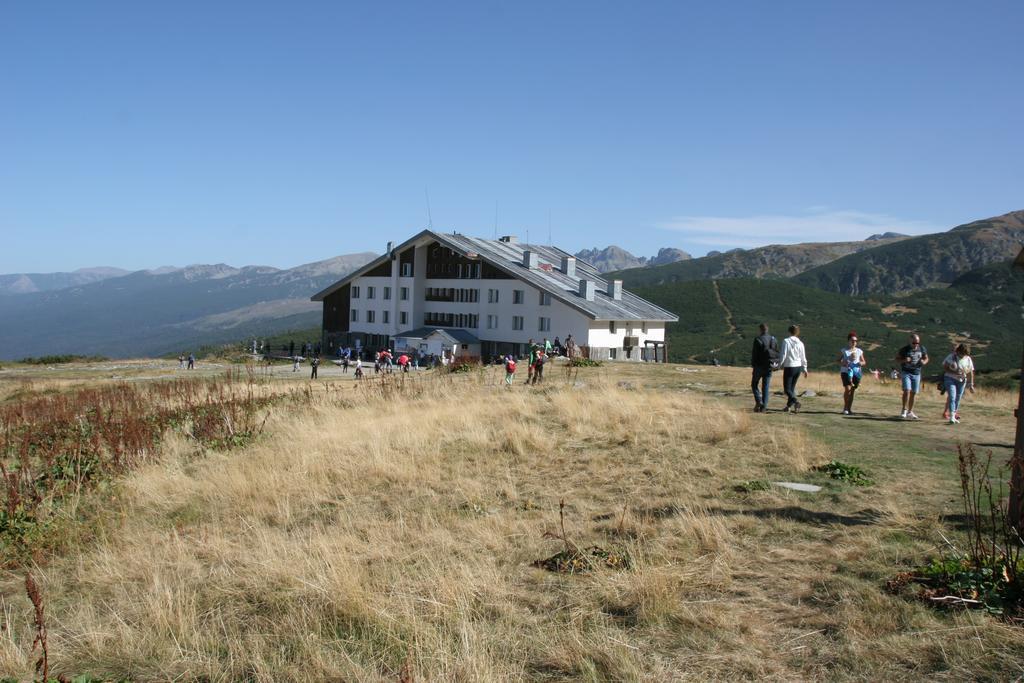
(386, 317)
(612, 353)
(544, 324)
(403, 293)
(406, 270)
(355, 315)
(492, 296)
(545, 299)
(370, 292)
(492, 322)
(611, 326)
(643, 327)
(403, 318)
(355, 291)
(387, 294)
(370, 314)
(517, 322)
(517, 296)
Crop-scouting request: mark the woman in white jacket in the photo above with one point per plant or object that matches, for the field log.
(794, 363)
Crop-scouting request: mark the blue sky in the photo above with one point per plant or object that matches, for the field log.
(142, 134)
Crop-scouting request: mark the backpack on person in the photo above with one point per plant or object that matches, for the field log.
(774, 354)
(510, 366)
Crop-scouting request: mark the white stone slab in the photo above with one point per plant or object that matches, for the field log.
(797, 486)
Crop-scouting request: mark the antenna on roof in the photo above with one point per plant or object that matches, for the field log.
(430, 220)
(495, 219)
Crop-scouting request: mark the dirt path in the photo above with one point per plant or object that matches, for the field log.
(728, 313)
(728, 317)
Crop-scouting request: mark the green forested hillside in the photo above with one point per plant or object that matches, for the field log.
(984, 304)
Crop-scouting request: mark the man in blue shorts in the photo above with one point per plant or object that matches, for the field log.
(912, 358)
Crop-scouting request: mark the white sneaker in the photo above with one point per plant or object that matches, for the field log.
(910, 414)
(903, 414)
(954, 421)
(846, 412)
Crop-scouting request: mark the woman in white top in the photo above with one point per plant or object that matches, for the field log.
(851, 361)
(959, 375)
(794, 363)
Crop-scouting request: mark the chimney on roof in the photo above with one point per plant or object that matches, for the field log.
(569, 265)
(615, 289)
(530, 259)
(587, 288)
(508, 239)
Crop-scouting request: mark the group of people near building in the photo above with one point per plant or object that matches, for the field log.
(768, 356)
(538, 355)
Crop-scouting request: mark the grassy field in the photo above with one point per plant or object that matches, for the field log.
(388, 530)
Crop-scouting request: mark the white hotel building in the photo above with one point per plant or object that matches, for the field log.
(479, 297)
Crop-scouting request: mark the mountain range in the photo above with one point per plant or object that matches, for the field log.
(26, 283)
(952, 275)
(148, 313)
(919, 262)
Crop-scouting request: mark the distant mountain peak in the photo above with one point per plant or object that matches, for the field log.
(614, 257)
(885, 236)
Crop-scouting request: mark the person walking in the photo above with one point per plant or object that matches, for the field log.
(344, 365)
(181, 361)
(295, 363)
(510, 369)
(191, 361)
(538, 369)
(794, 364)
(531, 361)
(359, 367)
(958, 375)
(851, 363)
(912, 358)
(764, 358)
(313, 365)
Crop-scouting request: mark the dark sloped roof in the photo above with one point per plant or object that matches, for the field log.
(508, 256)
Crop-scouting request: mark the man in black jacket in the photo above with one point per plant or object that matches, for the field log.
(763, 359)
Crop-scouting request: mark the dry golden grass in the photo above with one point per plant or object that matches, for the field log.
(368, 532)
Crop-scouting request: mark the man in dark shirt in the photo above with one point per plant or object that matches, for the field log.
(764, 354)
(912, 358)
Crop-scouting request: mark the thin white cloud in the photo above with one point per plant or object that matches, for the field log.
(817, 224)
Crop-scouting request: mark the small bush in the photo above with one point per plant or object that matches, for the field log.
(751, 486)
(851, 474)
(581, 362)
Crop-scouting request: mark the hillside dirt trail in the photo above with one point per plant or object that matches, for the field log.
(728, 317)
